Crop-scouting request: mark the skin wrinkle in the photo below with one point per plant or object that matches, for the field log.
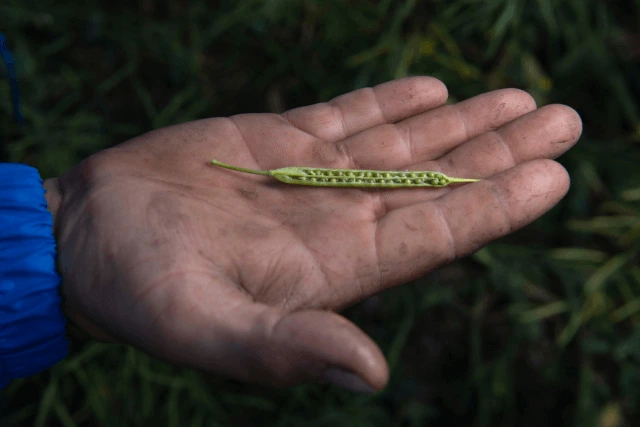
(228, 209)
(315, 268)
(291, 122)
(213, 267)
(286, 300)
(256, 231)
(344, 156)
(503, 205)
(244, 141)
(154, 284)
(234, 212)
(496, 117)
(179, 186)
(295, 236)
(400, 135)
(410, 144)
(268, 320)
(361, 291)
(410, 226)
(449, 234)
(562, 142)
(380, 204)
(239, 272)
(331, 289)
(463, 123)
(155, 318)
(537, 196)
(162, 216)
(337, 109)
(267, 286)
(282, 369)
(345, 150)
(378, 104)
(505, 145)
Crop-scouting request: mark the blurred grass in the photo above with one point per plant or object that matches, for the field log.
(539, 329)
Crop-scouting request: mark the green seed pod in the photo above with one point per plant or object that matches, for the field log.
(320, 177)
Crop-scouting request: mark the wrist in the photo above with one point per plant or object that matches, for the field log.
(79, 328)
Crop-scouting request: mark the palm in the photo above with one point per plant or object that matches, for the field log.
(239, 274)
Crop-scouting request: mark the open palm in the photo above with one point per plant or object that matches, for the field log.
(241, 275)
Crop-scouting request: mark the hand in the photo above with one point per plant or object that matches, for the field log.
(240, 275)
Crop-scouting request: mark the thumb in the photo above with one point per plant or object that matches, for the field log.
(322, 345)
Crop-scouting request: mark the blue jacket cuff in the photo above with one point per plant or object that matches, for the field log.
(32, 325)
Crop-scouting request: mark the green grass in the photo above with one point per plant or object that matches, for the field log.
(539, 329)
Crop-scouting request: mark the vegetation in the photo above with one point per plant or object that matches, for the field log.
(539, 329)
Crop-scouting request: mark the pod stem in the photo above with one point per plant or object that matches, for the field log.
(461, 180)
(239, 169)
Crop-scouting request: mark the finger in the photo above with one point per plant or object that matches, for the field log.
(430, 135)
(322, 345)
(419, 238)
(311, 345)
(255, 343)
(361, 109)
(547, 132)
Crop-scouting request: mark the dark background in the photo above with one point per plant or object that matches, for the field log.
(541, 328)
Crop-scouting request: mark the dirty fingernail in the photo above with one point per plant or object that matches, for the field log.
(346, 379)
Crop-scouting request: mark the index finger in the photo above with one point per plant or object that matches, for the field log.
(362, 109)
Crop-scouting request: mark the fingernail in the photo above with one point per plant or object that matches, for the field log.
(347, 379)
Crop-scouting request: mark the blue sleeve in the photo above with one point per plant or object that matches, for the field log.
(32, 325)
